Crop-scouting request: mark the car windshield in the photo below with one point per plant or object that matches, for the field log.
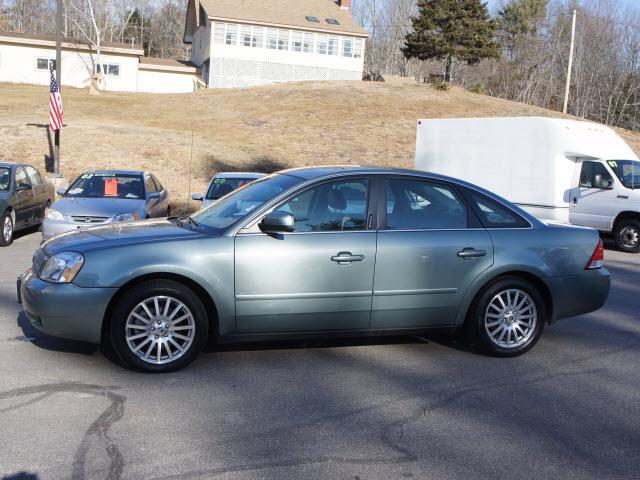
(220, 186)
(628, 171)
(5, 177)
(233, 208)
(107, 185)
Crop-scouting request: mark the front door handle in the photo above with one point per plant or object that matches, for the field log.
(345, 258)
(472, 253)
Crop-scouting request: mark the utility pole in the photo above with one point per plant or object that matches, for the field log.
(570, 67)
(56, 144)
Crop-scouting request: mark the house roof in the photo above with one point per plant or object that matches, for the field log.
(285, 13)
(68, 43)
(167, 64)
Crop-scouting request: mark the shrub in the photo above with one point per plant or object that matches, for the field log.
(440, 85)
(478, 88)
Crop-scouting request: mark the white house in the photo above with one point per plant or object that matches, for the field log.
(26, 59)
(240, 43)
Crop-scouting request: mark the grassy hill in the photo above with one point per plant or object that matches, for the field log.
(185, 139)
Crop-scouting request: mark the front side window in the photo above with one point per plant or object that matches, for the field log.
(240, 203)
(149, 185)
(21, 178)
(595, 175)
(420, 205)
(34, 176)
(107, 185)
(5, 178)
(330, 207)
(494, 215)
(627, 171)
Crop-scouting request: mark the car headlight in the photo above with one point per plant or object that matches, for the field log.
(126, 217)
(62, 267)
(52, 214)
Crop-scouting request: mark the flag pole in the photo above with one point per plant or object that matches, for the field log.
(56, 145)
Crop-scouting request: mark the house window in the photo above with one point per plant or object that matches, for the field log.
(297, 39)
(258, 37)
(307, 43)
(45, 63)
(321, 47)
(357, 48)
(231, 37)
(218, 33)
(272, 38)
(110, 69)
(347, 47)
(283, 39)
(332, 46)
(246, 39)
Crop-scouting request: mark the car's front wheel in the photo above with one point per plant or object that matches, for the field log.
(627, 235)
(6, 232)
(158, 326)
(508, 317)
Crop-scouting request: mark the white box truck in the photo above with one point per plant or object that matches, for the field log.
(559, 170)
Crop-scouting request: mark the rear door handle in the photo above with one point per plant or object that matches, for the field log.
(345, 258)
(472, 253)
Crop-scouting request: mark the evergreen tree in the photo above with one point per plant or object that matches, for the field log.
(452, 30)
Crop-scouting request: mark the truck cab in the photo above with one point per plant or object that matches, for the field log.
(606, 196)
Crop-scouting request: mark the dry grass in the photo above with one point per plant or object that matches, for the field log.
(184, 139)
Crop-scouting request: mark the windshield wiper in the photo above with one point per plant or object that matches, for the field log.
(184, 219)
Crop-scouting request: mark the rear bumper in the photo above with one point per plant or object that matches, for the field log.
(64, 310)
(578, 294)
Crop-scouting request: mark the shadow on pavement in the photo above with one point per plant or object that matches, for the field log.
(46, 342)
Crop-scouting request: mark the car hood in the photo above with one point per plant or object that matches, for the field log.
(118, 234)
(97, 207)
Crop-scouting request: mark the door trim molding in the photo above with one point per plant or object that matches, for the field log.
(421, 291)
(302, 296)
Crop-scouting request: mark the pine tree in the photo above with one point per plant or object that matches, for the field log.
(452, 30)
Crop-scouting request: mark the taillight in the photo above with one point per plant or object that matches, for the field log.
(597, 259)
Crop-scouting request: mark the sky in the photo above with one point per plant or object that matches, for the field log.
(493, 4)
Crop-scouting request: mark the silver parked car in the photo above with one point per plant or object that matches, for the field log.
(317, 251)
(223, 183)
(104, 197)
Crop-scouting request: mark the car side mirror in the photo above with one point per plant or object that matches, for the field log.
(197, 197)
(153, 195)
(61, 192)
(24, 186)
(277, 222)
(602, 183)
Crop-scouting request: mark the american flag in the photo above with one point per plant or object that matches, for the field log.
(55, 103)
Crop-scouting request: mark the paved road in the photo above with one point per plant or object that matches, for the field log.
(389, 409)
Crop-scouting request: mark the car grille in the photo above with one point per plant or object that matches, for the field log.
(89, 220)
(39, 259)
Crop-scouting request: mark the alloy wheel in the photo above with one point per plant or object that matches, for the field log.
(160, 329)
(510, 318)
(7, 229)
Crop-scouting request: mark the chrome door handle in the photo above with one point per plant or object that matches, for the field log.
(472, 253)
(624, 197)
(344, 258)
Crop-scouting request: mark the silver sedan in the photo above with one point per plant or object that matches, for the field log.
(103, 197)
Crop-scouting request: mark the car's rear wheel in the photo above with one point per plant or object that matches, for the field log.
(169, 211)
(158, 326)
(508, 317)
(627, 236)
(6, 232)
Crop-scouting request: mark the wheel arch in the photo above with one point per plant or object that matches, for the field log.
(203, 295)
(625, 215)
(530, 277)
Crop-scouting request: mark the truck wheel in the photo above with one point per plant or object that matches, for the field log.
(507, 318)
(627, 236)
(158, 326)
(6, 232)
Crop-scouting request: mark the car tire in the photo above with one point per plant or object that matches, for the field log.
(6, 229)
(507, 318)
(169, 211)
(149, 335)
(627, 236)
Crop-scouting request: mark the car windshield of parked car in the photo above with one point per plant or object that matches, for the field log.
(221, 186)
(5, 177)
(234, 207)
(628, 171)
(107, 185)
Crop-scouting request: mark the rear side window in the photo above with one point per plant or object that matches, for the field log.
(495, 215)
(420, 205)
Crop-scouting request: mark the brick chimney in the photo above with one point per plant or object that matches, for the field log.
(344, 4)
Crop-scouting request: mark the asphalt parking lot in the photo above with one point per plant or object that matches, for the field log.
(391, 408)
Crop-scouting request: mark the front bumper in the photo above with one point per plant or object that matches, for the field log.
(51, 228)
(64, 310)
(579, 294)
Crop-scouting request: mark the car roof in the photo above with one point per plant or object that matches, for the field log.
(310, 173)
(239, 175)
(115, 172)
